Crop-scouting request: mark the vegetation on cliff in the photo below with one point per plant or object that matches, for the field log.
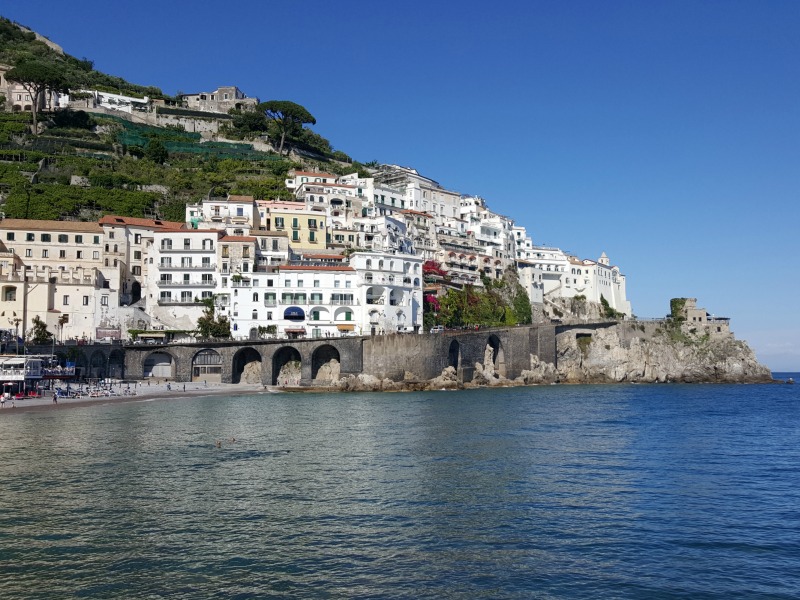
(117, 160)
(501, 302)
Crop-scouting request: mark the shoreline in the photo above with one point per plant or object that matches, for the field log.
(159, 391)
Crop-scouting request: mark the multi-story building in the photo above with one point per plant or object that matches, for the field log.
(306, 227)
(128, 240)
(221, 100)
(184, 270)
(236, 215)
(390, 289)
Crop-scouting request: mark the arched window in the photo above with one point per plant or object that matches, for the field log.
(369, 263)
(255, 315)
(255, 296)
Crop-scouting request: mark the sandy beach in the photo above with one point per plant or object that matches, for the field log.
(143, 391)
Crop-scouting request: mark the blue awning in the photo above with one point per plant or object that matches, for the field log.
(294, 313)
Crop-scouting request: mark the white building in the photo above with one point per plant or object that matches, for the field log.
(390, 290)
(183, 271)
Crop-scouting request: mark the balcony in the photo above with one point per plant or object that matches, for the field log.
(177, 301)
(202, 283)
(186, 250)
(171, 267)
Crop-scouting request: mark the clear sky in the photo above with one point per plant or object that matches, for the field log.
(665, 133)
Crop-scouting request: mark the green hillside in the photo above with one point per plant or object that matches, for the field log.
(82, 165)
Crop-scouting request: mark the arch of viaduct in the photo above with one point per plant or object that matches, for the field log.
(395, 357)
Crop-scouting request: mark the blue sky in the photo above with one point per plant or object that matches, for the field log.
(666, 134)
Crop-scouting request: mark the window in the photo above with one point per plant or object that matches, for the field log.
(9, 294)
(30, 237)
(111, 235)
(28, 253)
(348, 316)
(103, 300)
(45, 237)
(287, 283)
(315, 315)
(79, 254)
(278, 222)
(312, 236)
(137, 255)
(45, 253)
(137, 238)
(336, 283)
(10, 236)
(96, 255)
(62, 254)
(225, 252)
(137, 270)
(347, 283)
(63, 238)
(312, 223)
(275, 245)
(295, 222)
(85, 301)
(65, 300)
(299, 283)
(187, 243)
(246, 252)
(316, 283)
(255, 296)
(295, 236)
(96, 239)
(239, 211)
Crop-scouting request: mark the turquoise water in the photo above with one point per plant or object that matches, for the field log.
(638, 491)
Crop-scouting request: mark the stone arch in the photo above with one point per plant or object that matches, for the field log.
(498, 355)
(286, 366)
(207, 366)
(116, 364)
(321, 360)
(247, 363)
(454, 355)
(98, 365)
(159, 364)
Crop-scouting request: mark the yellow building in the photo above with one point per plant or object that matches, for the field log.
(306, 228)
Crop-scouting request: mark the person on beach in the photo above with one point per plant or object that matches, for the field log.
(3, 401)
(55, 397)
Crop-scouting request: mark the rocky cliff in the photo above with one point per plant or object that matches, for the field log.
(614, 355)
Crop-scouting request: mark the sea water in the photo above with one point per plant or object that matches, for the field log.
(630, 491)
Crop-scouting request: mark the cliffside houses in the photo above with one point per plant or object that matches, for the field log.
(343, 258)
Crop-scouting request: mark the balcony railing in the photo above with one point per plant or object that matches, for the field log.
(202, 283)
(201, 267)
(182, 249)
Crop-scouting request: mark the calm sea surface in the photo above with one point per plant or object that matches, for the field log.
(637, 491)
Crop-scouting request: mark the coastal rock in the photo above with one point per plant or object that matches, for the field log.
(251, 374)
(540, 372)
(448, 380)
(602, 357)
(328, 373)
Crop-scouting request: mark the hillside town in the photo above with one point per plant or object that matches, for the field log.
(347, 255)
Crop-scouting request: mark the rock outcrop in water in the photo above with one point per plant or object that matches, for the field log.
(630, 352)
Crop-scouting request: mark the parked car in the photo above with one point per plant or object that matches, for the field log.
(437, 329)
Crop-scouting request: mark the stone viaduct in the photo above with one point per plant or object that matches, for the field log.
(395, 357)
(390, 356)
